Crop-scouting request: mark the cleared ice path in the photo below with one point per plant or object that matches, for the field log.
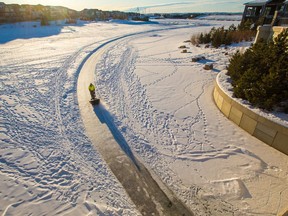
(148, 193)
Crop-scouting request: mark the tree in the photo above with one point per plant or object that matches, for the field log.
(260, 75)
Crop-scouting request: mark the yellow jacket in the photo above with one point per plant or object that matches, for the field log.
(91, 87)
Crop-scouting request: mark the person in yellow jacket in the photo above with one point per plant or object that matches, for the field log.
(92, 90)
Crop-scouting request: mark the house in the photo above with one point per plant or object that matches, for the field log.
(269, 16)
(266, 11)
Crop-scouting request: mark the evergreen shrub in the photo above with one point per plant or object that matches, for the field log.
(221, 36)
(260, 75)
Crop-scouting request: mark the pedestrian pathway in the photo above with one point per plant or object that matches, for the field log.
(148, 193)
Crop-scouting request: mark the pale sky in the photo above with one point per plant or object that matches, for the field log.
(145, 6)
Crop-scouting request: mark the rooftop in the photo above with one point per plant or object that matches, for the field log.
(264, 2)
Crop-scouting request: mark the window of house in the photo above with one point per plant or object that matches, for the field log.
(285, 10)
(267, 11)
(250, 11)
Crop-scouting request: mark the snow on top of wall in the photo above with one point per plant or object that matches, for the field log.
(225, 83)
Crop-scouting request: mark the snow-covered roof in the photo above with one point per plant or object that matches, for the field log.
(257, 3)
(264, 2)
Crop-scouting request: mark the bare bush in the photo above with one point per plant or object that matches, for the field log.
(195, 39)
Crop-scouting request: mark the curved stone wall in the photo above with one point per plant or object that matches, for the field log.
(272, 133)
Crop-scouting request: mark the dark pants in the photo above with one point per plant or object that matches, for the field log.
(92, 93)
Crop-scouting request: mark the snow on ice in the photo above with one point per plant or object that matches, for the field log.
(158, 99)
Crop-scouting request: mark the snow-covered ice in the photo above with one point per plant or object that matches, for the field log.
(157, 98)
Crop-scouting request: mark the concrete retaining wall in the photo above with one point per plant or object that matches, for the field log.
(267, 32)
(272, 133)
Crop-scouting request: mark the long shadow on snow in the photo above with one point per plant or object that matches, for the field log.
(27, 30)
(105, 118)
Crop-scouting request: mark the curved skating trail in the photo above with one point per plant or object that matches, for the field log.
(148, 193)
